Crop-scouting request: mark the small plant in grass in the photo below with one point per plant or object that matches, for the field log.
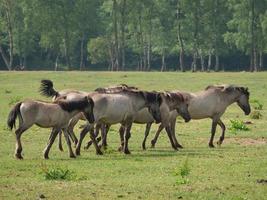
(182, 173)
(255, 114)
(257, 105)
(237, 125)
(56, 173)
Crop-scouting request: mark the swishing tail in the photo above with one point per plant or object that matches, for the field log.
(47, 89)
(11, 120)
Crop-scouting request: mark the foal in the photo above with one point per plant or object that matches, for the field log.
(47, 115)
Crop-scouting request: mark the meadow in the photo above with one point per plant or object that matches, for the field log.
(233, 171)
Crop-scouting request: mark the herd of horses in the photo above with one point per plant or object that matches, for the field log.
(124, 105)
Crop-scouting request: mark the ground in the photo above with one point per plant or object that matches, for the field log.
(232, 171)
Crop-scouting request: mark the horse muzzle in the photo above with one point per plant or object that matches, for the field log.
(187, 119)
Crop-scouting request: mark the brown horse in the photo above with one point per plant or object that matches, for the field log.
(212, 103)
(47, 115)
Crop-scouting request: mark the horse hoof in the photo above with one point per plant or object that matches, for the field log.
(72, 156)
(127, 152)
(78, 153)
(180, 146)
(19, 156)
(152, 144)
(99, 153)
(120, 149)
(211, 146)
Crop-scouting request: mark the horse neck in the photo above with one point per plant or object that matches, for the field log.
(172, 105)
(139, 102)
(230, 98)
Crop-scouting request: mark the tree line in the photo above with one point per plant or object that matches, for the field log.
(196, 35)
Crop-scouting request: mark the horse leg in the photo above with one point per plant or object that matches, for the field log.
(71, 126)
(51, 140)
(221, 124)
(154, 141)
(121, 132)
(85, 130)
(92, 136)
(148, 126)
(18, 150)
(107, 127)
(127, 135)
(168, 130)
(60, 147)
(90, 142)
(213, 130)
(67, 138)
(172, 126)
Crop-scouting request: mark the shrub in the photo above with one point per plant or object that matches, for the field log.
(183, 173)
(255, 114)
(56, 173)
(237, 125)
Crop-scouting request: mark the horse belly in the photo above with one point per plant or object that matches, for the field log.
(143, 117)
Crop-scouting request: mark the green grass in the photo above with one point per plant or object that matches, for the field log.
(227, 172)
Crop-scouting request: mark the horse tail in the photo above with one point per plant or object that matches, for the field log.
(47, 89)
(11, 120)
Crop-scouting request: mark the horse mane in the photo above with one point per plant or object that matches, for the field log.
(229, 88)
(115, 89)
(71, 105)
(171, 96)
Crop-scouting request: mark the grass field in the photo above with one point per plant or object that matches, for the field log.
(227, 172)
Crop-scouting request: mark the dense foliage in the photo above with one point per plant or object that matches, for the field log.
(197, 35)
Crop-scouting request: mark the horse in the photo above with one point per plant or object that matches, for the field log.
(121, 107)
(211, 103)
(170, 102)
(47, 115)
(47, 89)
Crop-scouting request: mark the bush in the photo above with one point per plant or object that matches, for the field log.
(56, 173)
(237, 125)
(183, 173)
(257, 105)
(255, 115)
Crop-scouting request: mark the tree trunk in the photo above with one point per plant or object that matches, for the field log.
(163, 64)
(217, 62)
(56, 63)
(252, 50)
(180, 38)
(209, 61)
(115, 29)
(202, 61)
(8, 59)
(82, 53)
(123, 34)
(260, 61)
(194, 63)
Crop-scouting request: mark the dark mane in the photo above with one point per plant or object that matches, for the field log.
(171, 96)
(72, 105)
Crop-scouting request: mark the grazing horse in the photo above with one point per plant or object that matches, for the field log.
(47, 115)
(212, 103)
(121, 107)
